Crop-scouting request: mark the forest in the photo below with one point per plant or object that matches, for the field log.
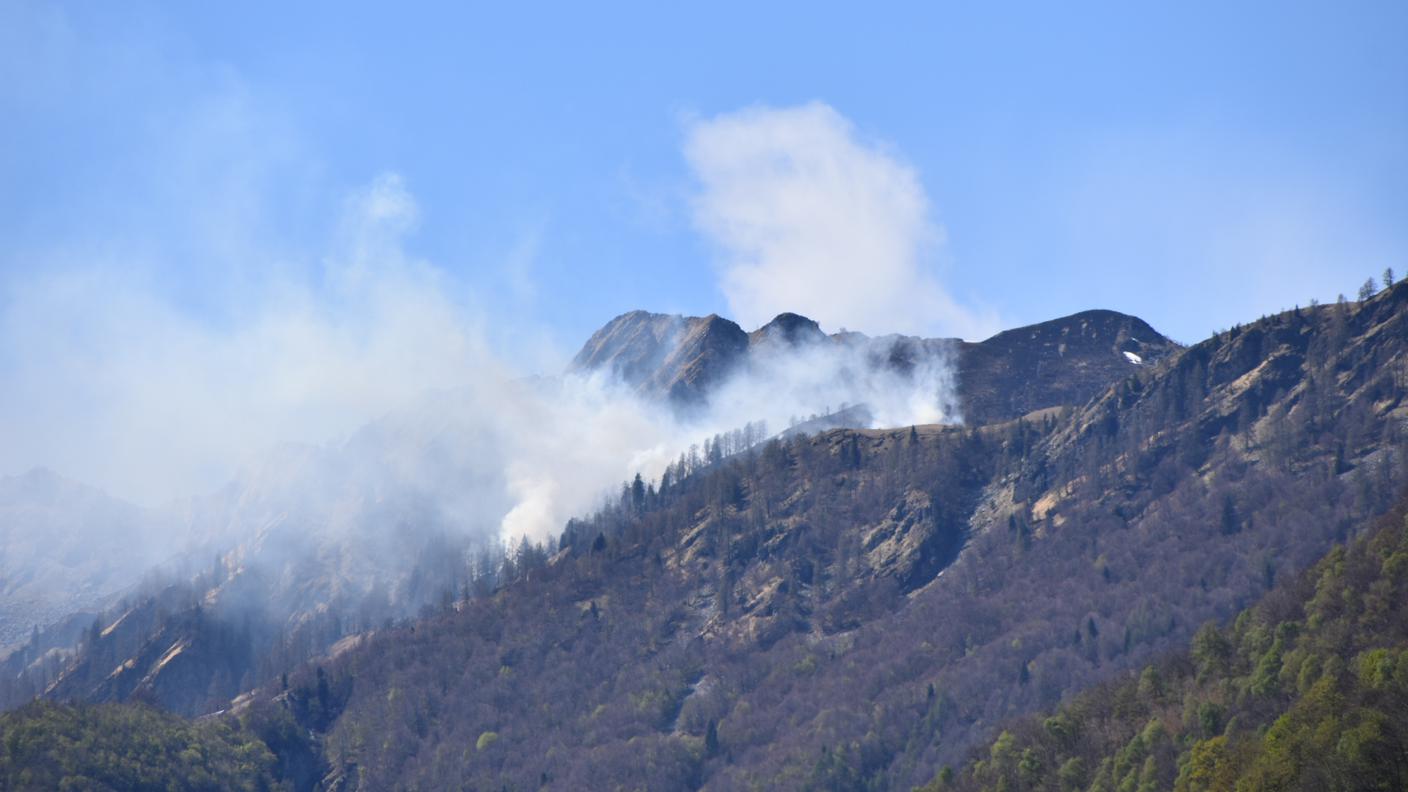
(129, 747)
(1306, 690)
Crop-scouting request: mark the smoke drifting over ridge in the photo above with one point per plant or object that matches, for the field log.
(115, 386)
(809, 217)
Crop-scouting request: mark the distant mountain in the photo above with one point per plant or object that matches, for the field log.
(1064, 361)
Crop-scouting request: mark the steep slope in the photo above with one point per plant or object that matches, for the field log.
(672, 357)
(1307, 690)
(791, 618)
(308, 545)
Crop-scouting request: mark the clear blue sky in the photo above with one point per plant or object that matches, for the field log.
(1197, 165)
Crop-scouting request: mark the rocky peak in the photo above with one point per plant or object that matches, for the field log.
(790, 329)
(1064, 361)
(671, 356)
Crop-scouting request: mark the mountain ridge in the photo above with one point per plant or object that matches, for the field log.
(795, 616)
(1066, 360)
(860, 607)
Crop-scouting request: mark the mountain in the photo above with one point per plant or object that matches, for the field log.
(313, 543)
(672, 357)
(859, 608)
(66, 548)
(308, 544)
(1064, 361)
(1061, 362)
(303, 530)
(855, 608)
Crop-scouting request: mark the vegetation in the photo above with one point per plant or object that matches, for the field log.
(778, 618)
(858, 609)
(46, 746)
(1307, 690)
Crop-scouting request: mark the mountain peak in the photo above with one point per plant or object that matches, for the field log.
(674, 356)
(1067, 360)
(1063, 361)
(789, 328)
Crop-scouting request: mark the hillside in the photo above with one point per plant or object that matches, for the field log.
(302, 548)
(1307, 690)
(858, 608)
(303, 554)
(797, 616)
(52, 747)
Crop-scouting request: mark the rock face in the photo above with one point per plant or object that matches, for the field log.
(1064, 361)
(908, 543)
(788, 329)
(673, 357)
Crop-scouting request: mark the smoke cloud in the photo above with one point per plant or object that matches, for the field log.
(809, 217)
(351, 402)
(112, 383)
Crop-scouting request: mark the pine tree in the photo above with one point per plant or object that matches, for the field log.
(638, 494)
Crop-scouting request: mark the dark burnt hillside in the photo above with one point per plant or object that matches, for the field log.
(857, 609)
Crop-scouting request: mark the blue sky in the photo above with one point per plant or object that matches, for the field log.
(181, 183)
(1196, 165)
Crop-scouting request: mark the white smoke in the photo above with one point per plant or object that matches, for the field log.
(111, 383)
(383, 368)
(811, 218)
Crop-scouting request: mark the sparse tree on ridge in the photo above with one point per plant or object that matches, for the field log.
(1367, 290)
(638, 494)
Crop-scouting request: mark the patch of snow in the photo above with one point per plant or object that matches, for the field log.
(1133, 358)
